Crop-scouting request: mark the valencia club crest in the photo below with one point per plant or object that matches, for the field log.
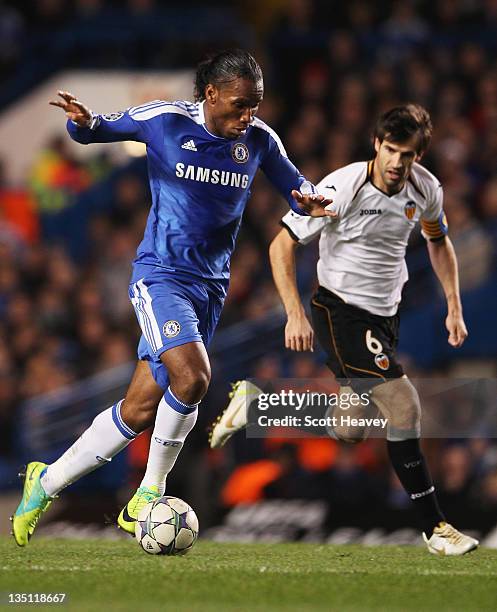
(410, 209)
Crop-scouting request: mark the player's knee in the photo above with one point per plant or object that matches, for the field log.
(138, 415)
(348, 435)
(405, 427)
(347, 420)
(192, 385)
(398, 400)
(409, 411)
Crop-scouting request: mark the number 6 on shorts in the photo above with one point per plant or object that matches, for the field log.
(373, 344)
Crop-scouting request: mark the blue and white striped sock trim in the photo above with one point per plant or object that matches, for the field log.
(177, 405)
(126, 431)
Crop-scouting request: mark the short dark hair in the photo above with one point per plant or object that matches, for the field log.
(223, 68)
(401, 122)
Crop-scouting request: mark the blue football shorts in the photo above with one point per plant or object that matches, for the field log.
(171, 311)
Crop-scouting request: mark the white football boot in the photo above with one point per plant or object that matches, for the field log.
(447, 540)
(234, 417)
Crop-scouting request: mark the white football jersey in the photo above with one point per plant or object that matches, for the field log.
(362, 252)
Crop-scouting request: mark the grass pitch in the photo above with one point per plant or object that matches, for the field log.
(117, 575)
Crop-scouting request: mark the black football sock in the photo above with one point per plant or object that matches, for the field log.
(410, 466)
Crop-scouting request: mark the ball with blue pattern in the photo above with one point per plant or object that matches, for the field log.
(166, 526)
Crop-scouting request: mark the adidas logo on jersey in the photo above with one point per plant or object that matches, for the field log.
(189, 146)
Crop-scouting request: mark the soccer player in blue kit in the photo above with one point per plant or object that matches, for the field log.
(202, 158)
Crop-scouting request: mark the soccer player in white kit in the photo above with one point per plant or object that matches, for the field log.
(361, 272)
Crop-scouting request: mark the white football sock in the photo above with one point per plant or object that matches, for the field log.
(106, 436)
(173, 423)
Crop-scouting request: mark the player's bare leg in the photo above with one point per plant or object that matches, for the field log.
(189, 372)
(398, 401)
(110, 432)
(349, 433)
(142, 398)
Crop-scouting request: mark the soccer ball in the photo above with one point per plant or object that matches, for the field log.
(166, 526)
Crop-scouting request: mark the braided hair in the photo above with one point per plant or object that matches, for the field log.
(223, 68)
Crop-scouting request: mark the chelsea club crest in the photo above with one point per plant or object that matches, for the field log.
(239, 153)
(170, 329)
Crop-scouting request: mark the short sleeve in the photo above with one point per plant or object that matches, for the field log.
(303, 229)
(340, 186)
(434, 224)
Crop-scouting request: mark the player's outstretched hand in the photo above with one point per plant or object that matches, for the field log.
(75, 110)
(456, 328)
(313, 204)
(299, 335)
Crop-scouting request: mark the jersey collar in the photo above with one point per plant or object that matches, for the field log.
(201, 119)
(369, 177)
(201, 113)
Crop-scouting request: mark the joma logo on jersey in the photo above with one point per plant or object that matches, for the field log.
(216, 177)
(370, 211)
(410, 209)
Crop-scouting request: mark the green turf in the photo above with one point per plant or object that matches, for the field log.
(117, 575)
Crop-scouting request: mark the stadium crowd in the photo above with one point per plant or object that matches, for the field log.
(330, 68)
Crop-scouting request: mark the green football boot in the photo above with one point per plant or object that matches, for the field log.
(33, 503)
(129, 514)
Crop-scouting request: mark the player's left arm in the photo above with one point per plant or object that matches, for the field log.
(444, 263)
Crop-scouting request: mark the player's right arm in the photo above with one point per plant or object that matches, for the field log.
(297, 229)
(85, 126)
(299, 334)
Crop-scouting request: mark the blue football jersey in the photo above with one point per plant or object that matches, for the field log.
(199, 182)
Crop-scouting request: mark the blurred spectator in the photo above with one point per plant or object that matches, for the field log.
(114, 273)
(116, 351)
(471, 242)
(246, 484)
(88, 9)
(49, 15)
(56, 177)
(487, 491)
(11, 38)
(455, 474)
(489, 200)
(17, 211)
(403, 32)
